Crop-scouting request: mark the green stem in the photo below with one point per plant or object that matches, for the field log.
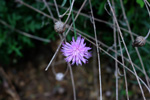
(75, 34)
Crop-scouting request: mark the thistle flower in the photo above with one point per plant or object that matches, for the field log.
(76, 51)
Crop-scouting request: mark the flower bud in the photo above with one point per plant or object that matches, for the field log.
(59, 27)
(139, 41)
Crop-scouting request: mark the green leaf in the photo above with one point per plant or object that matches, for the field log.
(2, 37)
(129, 92)
(63, 3)
(18, 51)
(125, 1)
(13, 19)
(101, 8)
(3, 7)
(140, 2)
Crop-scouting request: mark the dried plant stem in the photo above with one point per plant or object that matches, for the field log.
(94, 62)
(75, 34)
(58, 63)
(137, 51)
(46, 40)
(57, 10)
(115, 47)
(116, 64)
(85, 15)
(8, 86)
(119, 63)
(98, 54)
(25, 4)
(147, 35)
(147, 4)
(64, 13)
(24, 33)
(71, 73)
(124, 70)
(127, 69)
(71, 7)
(65, 36)
(108, 47)
(72, 79)
(52, 17)
(96, 19)
(49, 10)
(126, 49)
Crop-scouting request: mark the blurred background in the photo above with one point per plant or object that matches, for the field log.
(28, 41)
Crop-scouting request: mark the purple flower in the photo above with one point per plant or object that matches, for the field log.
(76, 51)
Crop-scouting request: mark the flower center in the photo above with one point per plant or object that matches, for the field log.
(76, 51)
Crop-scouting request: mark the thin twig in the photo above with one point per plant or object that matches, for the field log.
(71, 7)
(7, 86)
(126, 49)
(146, 3)
(94, 63)
(137, 51)
(108, 47)
(115, 47)
(25, 4)
(147, 35)
(58, 63)
(72, 79)
(50, 17)
(65, 36)
(119, 63)
(124, 70)
(96, 19)
(71, 73)
(57, 10)
(64, 13)
(24, 33)
(98, 54)
(49, 10)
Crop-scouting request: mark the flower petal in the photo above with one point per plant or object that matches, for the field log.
(76, 51)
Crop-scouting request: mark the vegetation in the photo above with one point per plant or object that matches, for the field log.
(21, 27)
